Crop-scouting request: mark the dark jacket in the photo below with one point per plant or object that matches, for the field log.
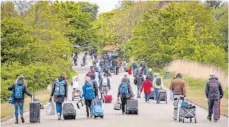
(139, 79)
(95, 87)
(25, 91)
(213, 89)
(59, 99)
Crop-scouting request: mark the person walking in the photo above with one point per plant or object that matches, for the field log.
(150, 75)
(139, 79)
(124, 66)
(134, 68)
(147, 85)
(157, 86)
(88, 95)
(124, 92)
(104, 85)
(179, 90)
(19, 90)
(60, 93)
(214, 92)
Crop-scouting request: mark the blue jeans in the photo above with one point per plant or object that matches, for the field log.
(213, 108)
(19, 105)
(139, 90)
(156, 94)
(59, 108)
(147, 97)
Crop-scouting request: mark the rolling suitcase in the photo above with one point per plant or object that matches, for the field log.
(97, 109)
(34, 109)
(69, 111)
(108, 98)
(132, 106)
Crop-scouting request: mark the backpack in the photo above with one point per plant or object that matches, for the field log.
(158, 81)
(60, 87)
(90, 91)
(18, 91)
(124, 89)
(104, 83)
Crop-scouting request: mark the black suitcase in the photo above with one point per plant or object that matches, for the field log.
(132, 106)
(69, 111)
(34, 108)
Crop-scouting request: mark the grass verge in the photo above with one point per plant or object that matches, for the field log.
(196, 92)
(8, 109)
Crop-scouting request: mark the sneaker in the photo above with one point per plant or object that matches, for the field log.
(209, 118)
(16, 122)
(58, 115)
(215, 120)
(22, 119)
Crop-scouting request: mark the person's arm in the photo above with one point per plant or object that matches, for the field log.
(53, 89)
(109, 84)
(130, 90)
(27, 91)
(66, 89)
(207, 89)
(118, 94)
(184, 90)
(220, 90)
(83, 90)
(96, 88)
(11, 87)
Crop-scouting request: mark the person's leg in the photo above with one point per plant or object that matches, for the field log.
(138, 91)
(16, 104)
(175, 107)
(123, 105)
(148, 96)
(61, 108)
(90, 108)
(58, 109)
(210, 106)
(87, 107)
(216, 109)
(145, 97)
(21, 107)
(156, 95)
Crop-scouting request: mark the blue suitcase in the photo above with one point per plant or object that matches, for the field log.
(97, 109)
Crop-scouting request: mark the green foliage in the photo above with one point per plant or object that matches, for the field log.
(184, 30)
(35, 44)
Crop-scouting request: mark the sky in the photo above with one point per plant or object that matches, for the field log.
(105, 5)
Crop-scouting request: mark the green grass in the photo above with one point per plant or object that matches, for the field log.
(196, 92)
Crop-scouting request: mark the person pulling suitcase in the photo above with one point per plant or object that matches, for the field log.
(88, 95)
(60, 93)
(19, 89)
(124, 92)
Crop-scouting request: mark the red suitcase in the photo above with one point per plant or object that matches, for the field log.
(108, 98)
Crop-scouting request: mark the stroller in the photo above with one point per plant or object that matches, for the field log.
(162, 95)
(76, 94)
(187, 111)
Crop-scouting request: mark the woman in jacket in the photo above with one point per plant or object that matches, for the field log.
(147, 85)
(60, 92)
(124, 95)
(20, 88)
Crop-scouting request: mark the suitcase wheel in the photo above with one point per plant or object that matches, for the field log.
(195, 120)
(102, 117)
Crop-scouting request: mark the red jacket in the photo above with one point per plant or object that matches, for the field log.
(147, 85)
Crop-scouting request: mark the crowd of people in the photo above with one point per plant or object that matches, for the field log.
(145, 81)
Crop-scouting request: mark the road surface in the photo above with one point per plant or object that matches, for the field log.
(150, 114)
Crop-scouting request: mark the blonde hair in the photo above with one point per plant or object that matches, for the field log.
(87, 78)
(63, 75)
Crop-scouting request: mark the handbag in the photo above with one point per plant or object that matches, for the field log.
(117, 105)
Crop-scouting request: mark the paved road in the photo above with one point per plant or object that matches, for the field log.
(150, 114)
